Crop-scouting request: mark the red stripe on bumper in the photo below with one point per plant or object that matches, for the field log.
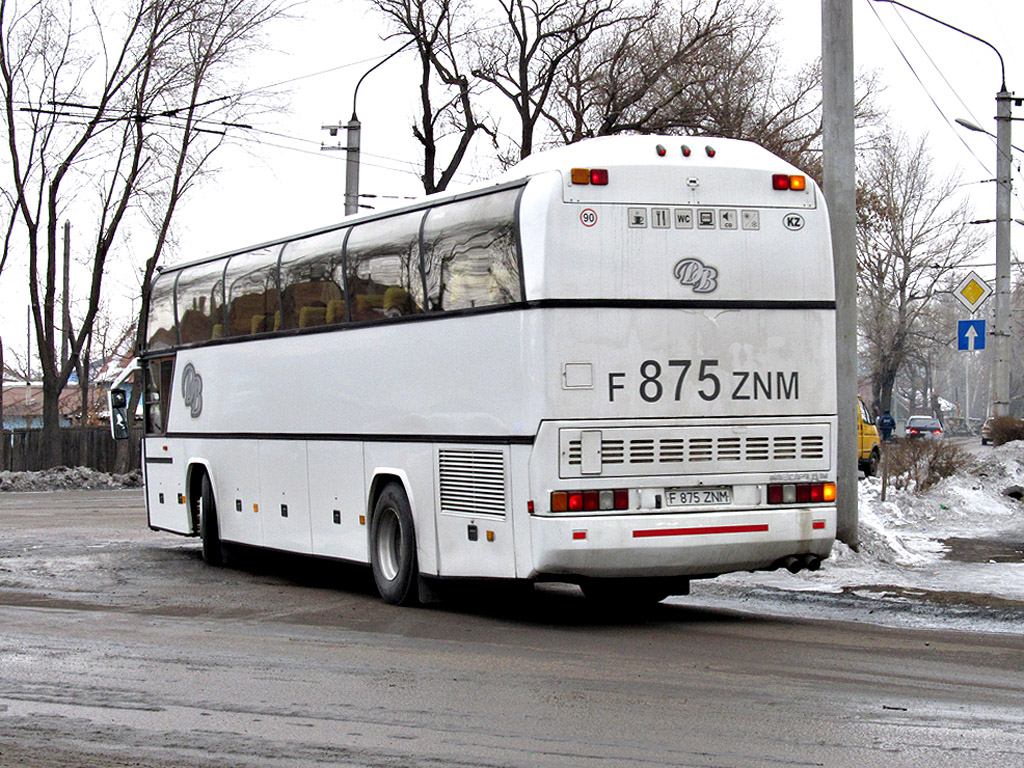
(759, 528)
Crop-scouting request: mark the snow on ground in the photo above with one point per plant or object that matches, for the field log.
(68, 479)
(959, 536)
(952, 558)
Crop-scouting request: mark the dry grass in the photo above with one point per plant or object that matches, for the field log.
(919, 464)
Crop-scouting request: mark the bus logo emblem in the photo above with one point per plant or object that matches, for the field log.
(192, 390)
(694, 272)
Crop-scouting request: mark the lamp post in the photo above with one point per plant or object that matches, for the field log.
(353, 129)
(1004, 188)
(1001, 330)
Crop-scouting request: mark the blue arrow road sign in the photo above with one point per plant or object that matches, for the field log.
(970, 334)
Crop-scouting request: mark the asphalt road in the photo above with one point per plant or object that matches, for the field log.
(119, 647)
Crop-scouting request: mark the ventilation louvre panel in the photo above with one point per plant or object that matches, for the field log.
(696, 450)
(472, 481)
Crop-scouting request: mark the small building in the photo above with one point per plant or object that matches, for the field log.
(23, 405)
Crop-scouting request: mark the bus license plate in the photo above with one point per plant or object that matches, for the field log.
(698, 497)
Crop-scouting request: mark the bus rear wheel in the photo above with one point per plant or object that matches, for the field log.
(213, 552)
(393, 548)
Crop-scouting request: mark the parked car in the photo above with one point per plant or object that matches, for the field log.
(867, 440)
(923, 426)
(986, 432)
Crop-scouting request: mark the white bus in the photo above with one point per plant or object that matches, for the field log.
(613, 367)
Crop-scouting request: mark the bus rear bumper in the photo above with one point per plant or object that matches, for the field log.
(690, 545)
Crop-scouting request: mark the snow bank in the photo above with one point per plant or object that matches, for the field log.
(68, 479)
(905, 541)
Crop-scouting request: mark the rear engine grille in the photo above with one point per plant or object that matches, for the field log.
(699, 450)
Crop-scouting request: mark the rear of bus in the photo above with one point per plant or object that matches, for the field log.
(686, 330)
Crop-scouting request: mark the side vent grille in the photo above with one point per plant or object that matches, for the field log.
(472, 482)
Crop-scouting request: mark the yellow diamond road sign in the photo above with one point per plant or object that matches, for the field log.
(972, 291)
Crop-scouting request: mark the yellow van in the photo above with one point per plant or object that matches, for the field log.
(868, 442)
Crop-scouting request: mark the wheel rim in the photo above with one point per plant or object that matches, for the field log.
(389, 544)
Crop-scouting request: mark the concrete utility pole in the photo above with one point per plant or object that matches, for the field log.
(353, 129)
(352, 165)
(1001, 332)
(840, 178)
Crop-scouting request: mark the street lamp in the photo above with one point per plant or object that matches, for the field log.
(1001, 330)
(352, 130)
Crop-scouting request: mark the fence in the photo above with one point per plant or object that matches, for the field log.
(80, 447)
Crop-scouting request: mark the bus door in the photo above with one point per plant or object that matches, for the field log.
(164, 477)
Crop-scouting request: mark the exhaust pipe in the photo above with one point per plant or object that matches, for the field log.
(812, 562)
(792, 564)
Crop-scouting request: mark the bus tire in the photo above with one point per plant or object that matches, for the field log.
(213, 552)
(393, 548)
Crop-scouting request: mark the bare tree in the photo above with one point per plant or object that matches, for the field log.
(648, 72)
(523, 57)
(434, 28)
(88, 104)
(912, 234)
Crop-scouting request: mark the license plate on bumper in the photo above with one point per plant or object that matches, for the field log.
(698, 497)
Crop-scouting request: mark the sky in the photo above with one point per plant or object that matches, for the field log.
(276, 180)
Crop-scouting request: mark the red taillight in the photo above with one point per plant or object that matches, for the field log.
(598, 176)
(786, 181)
(590, 501)
(801, 493)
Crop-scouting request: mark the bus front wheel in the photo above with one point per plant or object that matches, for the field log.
(213, 553)
(393, 548)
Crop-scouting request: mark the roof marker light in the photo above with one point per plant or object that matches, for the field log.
(686, 151)
(710, 150)
(661, 150)
(580, 175)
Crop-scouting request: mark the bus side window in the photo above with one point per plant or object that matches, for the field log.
(471, 256)
(159, 382)
(384, 277)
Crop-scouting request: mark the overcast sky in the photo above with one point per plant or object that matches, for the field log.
(274, 185)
